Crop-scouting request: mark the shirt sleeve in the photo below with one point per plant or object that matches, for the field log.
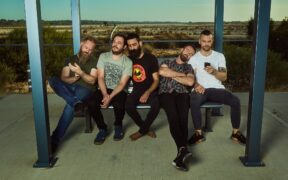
(155, 64)
(128, 67)
(100, 63)
(192, 62)
(190, 69)
(222, 61)
(166, 62)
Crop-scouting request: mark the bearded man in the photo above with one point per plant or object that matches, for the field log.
(145, 80)
(176, 81)
(114, 70)
(75, 85)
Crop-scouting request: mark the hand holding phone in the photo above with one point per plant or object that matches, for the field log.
(207, 64)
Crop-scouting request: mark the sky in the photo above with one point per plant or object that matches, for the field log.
(143, 10)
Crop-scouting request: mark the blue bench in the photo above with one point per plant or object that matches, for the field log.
(208, 106)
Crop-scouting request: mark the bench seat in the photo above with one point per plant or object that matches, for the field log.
(207, 106)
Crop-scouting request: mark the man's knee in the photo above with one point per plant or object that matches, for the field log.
(235, 101)
(195, 100)
(53, 80)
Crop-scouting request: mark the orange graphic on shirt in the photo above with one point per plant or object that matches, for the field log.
(139, 74)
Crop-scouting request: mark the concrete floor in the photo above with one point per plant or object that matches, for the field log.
(147, 158)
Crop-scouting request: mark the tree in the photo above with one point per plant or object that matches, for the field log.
(278, 40)
(16, 57)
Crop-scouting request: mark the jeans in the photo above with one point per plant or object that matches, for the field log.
(131, 103)
(215, 95)
(72, 94)
(176, 106)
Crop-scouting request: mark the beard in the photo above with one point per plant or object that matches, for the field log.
(118, 51)
(206, 48)
(84, 57)
(184, 58)
(135, 53)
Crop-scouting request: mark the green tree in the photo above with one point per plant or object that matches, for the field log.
(278, 40)
(239, 61)
(15, 53)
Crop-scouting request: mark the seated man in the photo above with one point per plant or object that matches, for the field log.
(210, 70)
(77, 83)
(176, 81)
(145, 81)
(114, 69)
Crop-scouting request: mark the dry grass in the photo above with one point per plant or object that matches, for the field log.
(22, 88)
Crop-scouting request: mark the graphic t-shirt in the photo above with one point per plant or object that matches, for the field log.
(91, 63)
(168, 85)
(114, 69)
(142, 72)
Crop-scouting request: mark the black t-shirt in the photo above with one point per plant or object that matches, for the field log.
(143, 69)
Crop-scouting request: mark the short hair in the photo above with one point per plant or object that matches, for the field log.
(89, 38)
(206, 32)
(133, 36)
(120, 35)
(191, 45)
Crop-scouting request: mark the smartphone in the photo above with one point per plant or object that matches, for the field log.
(207, 64)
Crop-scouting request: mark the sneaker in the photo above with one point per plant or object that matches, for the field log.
(135, 136)
(182, 155)
(119, 134)
(238, 137)
(101, 136)
(180, 165)
(196, 138)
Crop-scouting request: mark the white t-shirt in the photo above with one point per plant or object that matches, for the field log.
(205, 79)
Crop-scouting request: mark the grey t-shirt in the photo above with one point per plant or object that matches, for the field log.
(114, 69)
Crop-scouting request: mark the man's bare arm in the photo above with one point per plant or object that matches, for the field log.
(165, 71)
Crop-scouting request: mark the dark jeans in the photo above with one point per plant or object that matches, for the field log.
(118, 103)
(215, 95)
(176, 106)
(130, 106)
(72, 94)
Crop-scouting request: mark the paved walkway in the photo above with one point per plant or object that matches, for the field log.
(147, 158)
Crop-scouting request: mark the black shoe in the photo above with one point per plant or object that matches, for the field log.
(180, 165)
(182, 155)
(101, 136)
(238, 137)
(196, 138)
(119, 133)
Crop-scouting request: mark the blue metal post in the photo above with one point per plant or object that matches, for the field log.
(219, 24)
(76, 25)
(218, 38)
(39, 95)
(257, 85)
